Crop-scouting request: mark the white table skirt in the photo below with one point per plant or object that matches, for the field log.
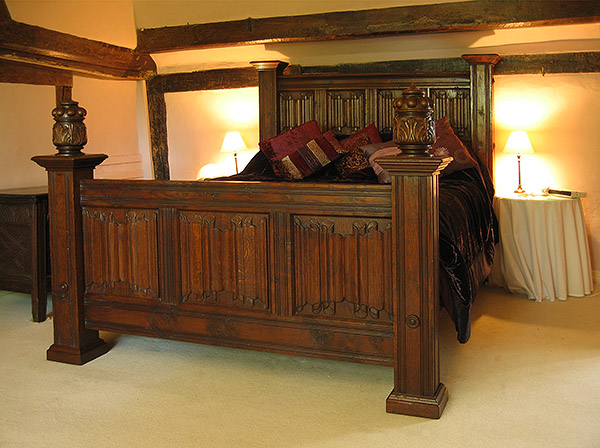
(543, 250)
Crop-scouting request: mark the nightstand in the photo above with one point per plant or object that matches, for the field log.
(543, 250)
(24, 251)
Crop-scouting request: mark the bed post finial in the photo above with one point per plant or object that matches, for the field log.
(414, 126)
(73, 343)
(69, 133)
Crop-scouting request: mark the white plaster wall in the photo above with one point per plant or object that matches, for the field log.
(25, 131)
(197, 123)
(112, 105)
(110, 21)
(111, 123)
(561, 114)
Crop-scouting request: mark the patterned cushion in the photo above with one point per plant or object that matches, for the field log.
(354, 160)
(301, 151)
(448, 144)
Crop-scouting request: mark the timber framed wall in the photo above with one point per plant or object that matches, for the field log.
(157, 86)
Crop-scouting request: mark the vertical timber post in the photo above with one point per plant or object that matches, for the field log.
(482, 119)
(415, 264)
(73, 343)
(267, 97)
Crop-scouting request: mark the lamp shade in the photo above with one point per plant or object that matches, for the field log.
(233, 142)
(518, 143)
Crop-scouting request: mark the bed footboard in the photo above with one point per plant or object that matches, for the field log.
(346, 272)
(245, 265)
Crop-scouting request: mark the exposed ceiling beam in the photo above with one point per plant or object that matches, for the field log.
(20, 42)
(228, 78)
(20, 73)
(457, 16)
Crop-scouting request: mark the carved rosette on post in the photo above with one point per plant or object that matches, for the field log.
(414, 129)
(68, 133)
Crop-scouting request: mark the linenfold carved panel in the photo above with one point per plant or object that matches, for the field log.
(385, 110)
(121, 248)
(455, 104)
(296, 108)
(224, 259)
(345, 110)
(342, 267)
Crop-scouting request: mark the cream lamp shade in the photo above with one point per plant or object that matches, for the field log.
(518, 143)
(233, 142)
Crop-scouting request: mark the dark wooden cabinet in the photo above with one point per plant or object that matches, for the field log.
(24, 252)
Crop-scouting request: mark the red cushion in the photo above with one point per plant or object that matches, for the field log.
(448, 144)
(301, 151)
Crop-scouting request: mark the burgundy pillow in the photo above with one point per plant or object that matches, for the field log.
(301, 151)
(354, 160)
(448, 144)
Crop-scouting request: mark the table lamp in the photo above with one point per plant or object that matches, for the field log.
(518, 143)
(233, 142)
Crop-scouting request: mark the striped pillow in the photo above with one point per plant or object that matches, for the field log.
(307, 159)
(301, 151)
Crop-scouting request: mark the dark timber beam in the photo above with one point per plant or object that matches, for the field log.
(457, 16)
(20, 42)
(20, 73)
(227, 78)
(516, 64)
(584, 62)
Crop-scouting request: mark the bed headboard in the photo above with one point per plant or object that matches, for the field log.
(347, 102)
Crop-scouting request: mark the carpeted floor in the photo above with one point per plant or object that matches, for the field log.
(529, 377)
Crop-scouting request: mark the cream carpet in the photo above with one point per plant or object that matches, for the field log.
(529, 377)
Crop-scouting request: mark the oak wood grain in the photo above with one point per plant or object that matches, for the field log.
(445, 17)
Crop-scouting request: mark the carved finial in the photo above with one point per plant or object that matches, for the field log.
(68, 133)
(414, 127)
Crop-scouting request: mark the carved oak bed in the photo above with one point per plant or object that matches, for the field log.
(343, 271)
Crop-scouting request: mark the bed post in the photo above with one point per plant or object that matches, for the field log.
(482, 116)
(267, 97)
(73, 343)
(415, 264)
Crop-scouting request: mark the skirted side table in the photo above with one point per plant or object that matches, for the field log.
(544, 249)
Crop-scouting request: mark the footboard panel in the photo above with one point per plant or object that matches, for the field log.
(302, 269)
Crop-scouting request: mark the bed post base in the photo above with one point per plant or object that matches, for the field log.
(73, 343)
(429, 407)
(77, 355)
(415, 213)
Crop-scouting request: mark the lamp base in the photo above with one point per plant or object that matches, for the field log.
(519, 190)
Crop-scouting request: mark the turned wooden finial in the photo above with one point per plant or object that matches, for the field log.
(414, 126)
(69, 133)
